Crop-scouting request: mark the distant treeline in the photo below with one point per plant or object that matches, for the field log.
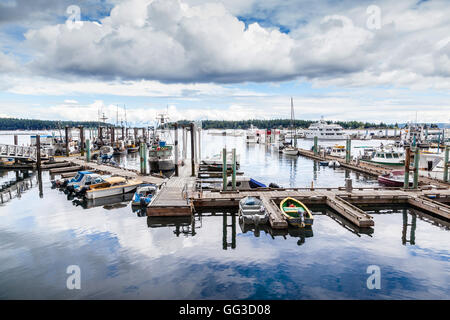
(283, 123)
(34, 124)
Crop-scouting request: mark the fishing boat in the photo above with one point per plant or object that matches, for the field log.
(119, 148)
(144, 194)
(395, 178)
(160, 153)
(252, 210)
(296, 213)
(117, 185)
(131, 146)
(387, 157)
(338, 151)
(106, 152)
(290, 151)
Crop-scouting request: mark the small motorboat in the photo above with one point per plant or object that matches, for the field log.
(395, 178)
(252, 210)
(323, 163)
(144, 194)
(81, 179)
(117, 185)
(290, 151)
(296, 213)
(106, 153)
(334, 164)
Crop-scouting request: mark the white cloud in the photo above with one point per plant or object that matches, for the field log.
(173, 41)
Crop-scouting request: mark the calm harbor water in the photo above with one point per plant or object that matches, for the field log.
(123, 255)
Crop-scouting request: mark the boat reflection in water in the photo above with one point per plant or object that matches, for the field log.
(111, 202)
(293, 232)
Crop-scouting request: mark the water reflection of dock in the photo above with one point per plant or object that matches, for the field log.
(14, 188)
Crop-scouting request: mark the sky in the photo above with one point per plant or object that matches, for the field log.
(225, 60)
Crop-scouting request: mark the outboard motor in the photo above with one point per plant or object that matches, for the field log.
(274, 186)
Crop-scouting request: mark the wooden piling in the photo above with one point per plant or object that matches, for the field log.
(447, 148)
(82, 140)
(175, 126)
(416, 168)
(407, 163)
(192, 150)
(224, 169)
(67, 140)
(233, 177)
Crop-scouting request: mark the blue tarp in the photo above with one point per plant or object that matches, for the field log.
(255, 184)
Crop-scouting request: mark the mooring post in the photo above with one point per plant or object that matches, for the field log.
(38, 163)
(175, 127)
(145, 158)
(82, 140)
(348, 150)
(183, 137)
(407, 163)
(224, 169)
(315, 145)
(38, 151)
(348, 185)
(439, 141)
(447, 148)
(88, 150)
(192, 150)
(16, 143)
(233, 177)
(67, 140)
(416, 168)
(199, 143)
(141, 156)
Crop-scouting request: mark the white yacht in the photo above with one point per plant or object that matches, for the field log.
(325, 131)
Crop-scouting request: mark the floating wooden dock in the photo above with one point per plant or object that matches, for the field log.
(106, 169)
(369, 168)
(172, 200)
(340, 200)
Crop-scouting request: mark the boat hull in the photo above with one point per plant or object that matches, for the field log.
(384, 163)
(383, 179)
(95, 194)
(162, 165)
(290, 152)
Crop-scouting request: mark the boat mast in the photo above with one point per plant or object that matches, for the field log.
(292, 118)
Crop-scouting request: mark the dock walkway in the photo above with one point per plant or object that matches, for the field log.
(369, 168)
(172, 199)
(112, 170)
(336, 198)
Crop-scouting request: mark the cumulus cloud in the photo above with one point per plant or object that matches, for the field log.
(174, 41)
(8, 63)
